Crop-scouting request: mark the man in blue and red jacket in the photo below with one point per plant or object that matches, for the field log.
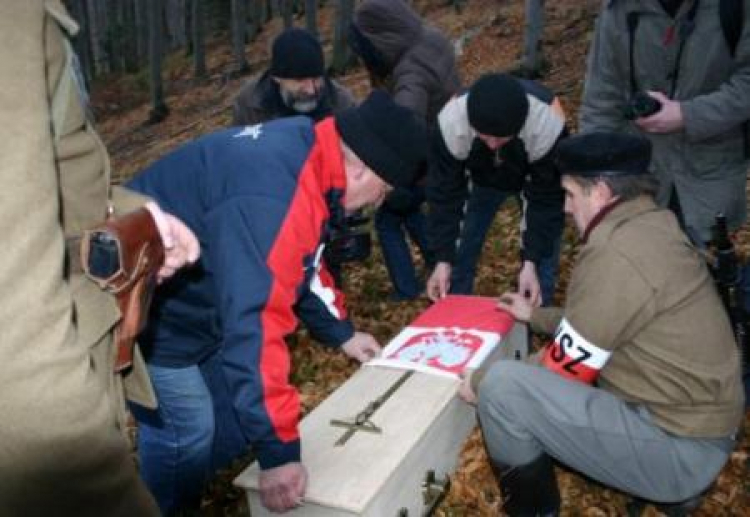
(262, 200)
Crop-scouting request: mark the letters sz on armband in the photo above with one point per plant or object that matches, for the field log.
(572, 356)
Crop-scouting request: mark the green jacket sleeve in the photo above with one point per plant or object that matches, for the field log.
(728, 105)
(605, 90)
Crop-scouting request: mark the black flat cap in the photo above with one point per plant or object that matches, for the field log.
(603, 154)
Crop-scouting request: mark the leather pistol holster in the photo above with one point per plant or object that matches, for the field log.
(122, 256)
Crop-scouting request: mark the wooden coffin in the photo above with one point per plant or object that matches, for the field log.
(416, 430)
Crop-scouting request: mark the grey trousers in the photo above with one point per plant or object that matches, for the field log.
(526, 410)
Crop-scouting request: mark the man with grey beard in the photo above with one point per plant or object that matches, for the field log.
(294, 84)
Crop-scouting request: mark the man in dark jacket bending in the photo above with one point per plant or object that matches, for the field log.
(415, 63)
(496, 141)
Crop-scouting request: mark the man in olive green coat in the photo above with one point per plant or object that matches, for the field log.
(640, 387)
(62, 447)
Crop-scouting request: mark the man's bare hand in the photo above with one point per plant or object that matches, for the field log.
(282, 488)
(439, 282)
(667, 120)
(362, 347)
(464, 389)
(517, 305)
(528, 283)
(181, 247)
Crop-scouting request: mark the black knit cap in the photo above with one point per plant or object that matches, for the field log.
(296, 54)
(387, 137)
(497, 105)
(592, 155)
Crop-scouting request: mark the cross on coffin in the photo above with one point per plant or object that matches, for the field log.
(362, 421)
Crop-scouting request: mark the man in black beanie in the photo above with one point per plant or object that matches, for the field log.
(294, 84)
(503, 131)
(639, 387)
(415, 63)
(263, 201)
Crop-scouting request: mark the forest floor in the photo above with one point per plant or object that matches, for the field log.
(488, 34)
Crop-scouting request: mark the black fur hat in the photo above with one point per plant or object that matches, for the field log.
(592, 155)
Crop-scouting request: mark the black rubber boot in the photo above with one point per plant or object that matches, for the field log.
(529, 490)
(681, 509)
(685, 508)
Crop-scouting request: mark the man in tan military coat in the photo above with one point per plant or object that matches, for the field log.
(640, 387)
(62, 447)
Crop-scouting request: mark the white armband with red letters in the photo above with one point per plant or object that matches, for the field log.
(572, 356)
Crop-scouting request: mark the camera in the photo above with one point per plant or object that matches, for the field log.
(347, 240)
(641, 105)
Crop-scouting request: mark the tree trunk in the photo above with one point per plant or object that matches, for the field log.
(311, 16)
(256, 18)
(118, 37)
(141, 37)
(218, 15)
(175, 21)
(274, 8)
(97, 28)
(130, 33)
(239, 25)
(198, 29)
(82, 41)
(532, 36)
(286, 7)
(159, 109)
(342, 54)
(266, 12)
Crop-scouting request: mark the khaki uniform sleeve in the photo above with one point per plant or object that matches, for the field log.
(125, 200)
(60, 453)
(545, 320)
(608, 301)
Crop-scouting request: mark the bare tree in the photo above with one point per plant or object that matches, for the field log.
(286, 8)
(311, 16)
(342, 54)
(96, 17)
(258, 10)
(141, 24)
(176, 17)
(82, 41)
(531, 61)
(239, 33)
(159, 109)
(198, 29)
(131, 61)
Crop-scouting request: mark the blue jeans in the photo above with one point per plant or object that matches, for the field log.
(390, 225)
(189, 436)
(483, 204)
